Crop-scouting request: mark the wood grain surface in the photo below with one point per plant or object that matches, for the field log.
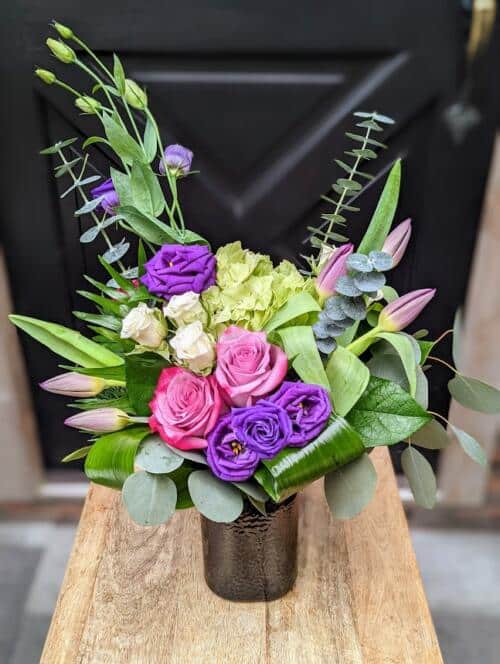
(137, 595)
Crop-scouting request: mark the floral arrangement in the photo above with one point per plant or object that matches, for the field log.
(218, 377)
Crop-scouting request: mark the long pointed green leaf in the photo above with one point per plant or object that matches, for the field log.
(293, 468)
(67, 343)
(383, 216)
(301, 349)
(111, 459)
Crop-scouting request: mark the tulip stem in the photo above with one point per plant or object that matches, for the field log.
(362, 343)
(139, 420)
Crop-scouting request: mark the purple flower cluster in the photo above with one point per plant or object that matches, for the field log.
(178, 268)
(291, 417)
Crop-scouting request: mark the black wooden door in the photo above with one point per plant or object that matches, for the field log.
(262, 93)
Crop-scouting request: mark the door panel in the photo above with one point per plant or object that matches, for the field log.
(262, 93)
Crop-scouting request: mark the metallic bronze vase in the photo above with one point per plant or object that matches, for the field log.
(253, 559)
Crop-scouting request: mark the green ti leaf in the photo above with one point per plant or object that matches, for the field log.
(293, 468)
(300, 346)
(348, 378)
(297, 305)
(403, 346)
(142, 373)
(111, 459)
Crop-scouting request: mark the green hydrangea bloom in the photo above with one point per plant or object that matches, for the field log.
(249, 289)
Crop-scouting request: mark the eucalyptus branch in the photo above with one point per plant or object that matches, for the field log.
(433, 358)
(86, 200)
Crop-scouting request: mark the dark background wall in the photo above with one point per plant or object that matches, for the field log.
(262, 93)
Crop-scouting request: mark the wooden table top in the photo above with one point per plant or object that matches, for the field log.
(137, 595)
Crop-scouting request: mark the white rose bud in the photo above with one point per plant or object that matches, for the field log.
(185, 308)
(194, 347)
(145, 326)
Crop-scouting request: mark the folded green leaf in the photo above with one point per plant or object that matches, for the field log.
(300, 346)
(293, 468)
(111, 459)
(349, 489)
(470, 446)
(386, 414)
(297, 305)
(420, 477)
(383, 216)
(474, 394)
(348, 378)
(67, 343)
(142, 373)
(149, 499)
(404, 348)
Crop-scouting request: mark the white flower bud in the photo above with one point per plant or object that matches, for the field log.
(145, 326)
(185, 308)
(194, 347)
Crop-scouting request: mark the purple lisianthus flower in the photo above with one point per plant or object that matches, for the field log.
(265, 428)
(110, 197)
(178, 160)
(177, 268)
(228, 458)
(308, 407)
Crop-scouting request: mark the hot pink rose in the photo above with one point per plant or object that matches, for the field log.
(248, 367)
(185, 408)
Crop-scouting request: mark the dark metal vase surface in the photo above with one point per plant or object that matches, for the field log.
(253, 559)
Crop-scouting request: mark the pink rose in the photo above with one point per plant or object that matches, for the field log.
(185, 408)
(248, 367)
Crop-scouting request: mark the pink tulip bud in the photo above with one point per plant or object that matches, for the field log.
(100, 420)
(397, 241)
(403, 311)
(334, 268)
(74, 385)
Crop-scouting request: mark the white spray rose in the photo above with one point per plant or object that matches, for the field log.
(194, 347)
(144, 325)
(185, 308)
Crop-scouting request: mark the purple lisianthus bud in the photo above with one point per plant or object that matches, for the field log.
(397, 241)
(177, 268)
(265, 428)
(334, 268)
(403, 311)
(110, 197)
(229, 458)
(308, 407)
(177, 159)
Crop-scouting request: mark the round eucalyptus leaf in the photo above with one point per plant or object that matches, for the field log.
(217, 500)
(381, 260)
(432, 436)
(320, 330)
(334, 329)
(191, 455)
(155, 457)
(149, 499)
(390, 294)
(333, 309)
(359, 262)
(353, 307)
(470, 446)
(420, 477)
(475, 394)
(369, 282)
(345, 286)
(350, 488)
(326, 346)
